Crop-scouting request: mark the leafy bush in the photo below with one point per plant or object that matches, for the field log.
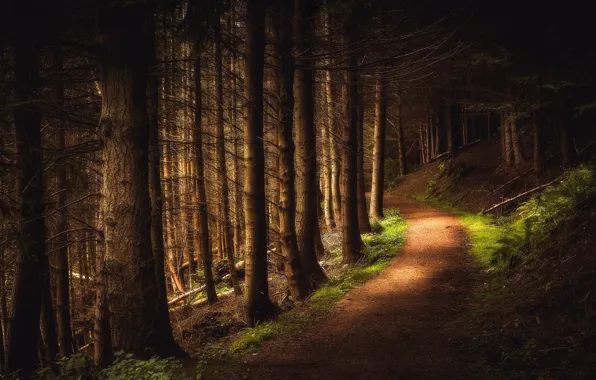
(126, 367)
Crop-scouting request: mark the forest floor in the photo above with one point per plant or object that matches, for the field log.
(399, 325)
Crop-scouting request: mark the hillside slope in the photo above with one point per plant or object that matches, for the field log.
(535, 318)
(474, 180)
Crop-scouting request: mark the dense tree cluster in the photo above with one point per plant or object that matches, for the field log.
(144, 142)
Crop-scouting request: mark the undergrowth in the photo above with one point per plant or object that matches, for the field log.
(379, 247)
(534, 317)
(502, 242)
(125, 367)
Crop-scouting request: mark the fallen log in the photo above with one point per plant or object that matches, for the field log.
(466, 146)
(438, 156)
(220, 296)
(510, 181)
(509, 200)
(185, 295)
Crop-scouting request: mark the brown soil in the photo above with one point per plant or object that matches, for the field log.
(396, 326)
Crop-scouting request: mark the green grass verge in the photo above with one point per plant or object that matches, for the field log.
(501, 243)
(379, 247)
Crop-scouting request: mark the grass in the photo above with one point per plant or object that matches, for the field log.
(379, 247)
(501, 243)
(524, 318)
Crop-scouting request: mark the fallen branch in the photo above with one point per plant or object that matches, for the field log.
(439, 156)
(220, 296)
(510, 181)
(506, 201)
(187, 294)
(470, 144)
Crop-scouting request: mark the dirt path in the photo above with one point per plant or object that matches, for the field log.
(396, 326)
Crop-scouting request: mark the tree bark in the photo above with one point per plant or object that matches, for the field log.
(2, 290)
(332, 193)
(125, 48)
(454, 128)
(401, 149)
(237, 153)
(518, 154)
(48, 326)
(428, 133)
(437, 132)
(431, 133)
(507, 141)
(258, 306)
(567, 150)
(1, 321)
(102, 348)
(61, 256)
(203, 247)
(363, 220)
(488, 126)
(378, 171)
(538, 155)
(351, 241)
(306, 136)
(162, 314)
(297, 280)
(32, 263)
(226, 229)
(421, 147)
(335, 164)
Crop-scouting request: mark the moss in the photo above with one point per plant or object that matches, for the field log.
(379, 248)
(251, 339)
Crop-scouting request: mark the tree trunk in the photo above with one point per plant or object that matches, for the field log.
(428, 134)
(401, 149)
(32, 263)
(421, 147)
(326, 172)
(437, 133)
(538, 155)
(222, 167)
(306, 135)
(2, 322)
(351, 241)
(363, 220)
(333, 162)
(162, 314)
(508, 141)
(258, 306)
(464, 125)
(488, 127)
(335, 173)
(327, 140)
(125, 207)
(2, 290)
(567, 150)
(297, 280)
(378, 170)
(518, 153)
(237, 154)
(454, 129)
(431, 134)
(48, 325)
(201, 236)
(61, 256)
(102, 348)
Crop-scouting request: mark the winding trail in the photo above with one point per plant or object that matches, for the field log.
(395, 326)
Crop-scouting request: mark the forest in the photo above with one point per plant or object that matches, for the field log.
(309, 189)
